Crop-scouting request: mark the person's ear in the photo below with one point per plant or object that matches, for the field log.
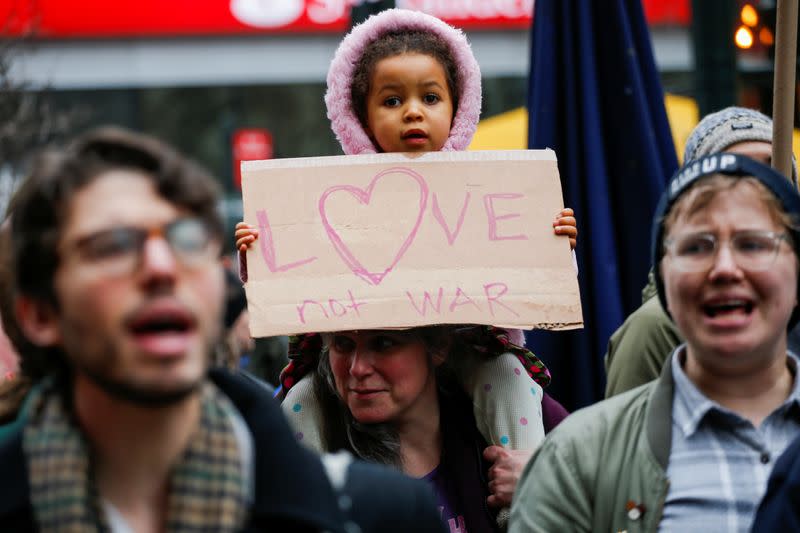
(38, 321)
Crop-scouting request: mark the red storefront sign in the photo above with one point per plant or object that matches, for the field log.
(160, 18)
(476, 14)
(249, 144)
(667, 12)
(150, 18)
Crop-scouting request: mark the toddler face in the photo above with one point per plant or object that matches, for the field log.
(409, 105)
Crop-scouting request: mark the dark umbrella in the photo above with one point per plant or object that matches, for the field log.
(596, 99)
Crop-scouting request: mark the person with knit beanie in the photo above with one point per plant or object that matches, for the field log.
(404, 81)
(638, 349)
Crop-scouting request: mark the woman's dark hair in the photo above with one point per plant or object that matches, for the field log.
(376, 443)
(396, 43)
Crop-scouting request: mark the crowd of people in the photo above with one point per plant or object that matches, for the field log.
(129, 410)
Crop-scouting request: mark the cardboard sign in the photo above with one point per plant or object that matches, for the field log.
(403, 240)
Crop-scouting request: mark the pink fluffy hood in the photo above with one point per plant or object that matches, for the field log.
(345, 124)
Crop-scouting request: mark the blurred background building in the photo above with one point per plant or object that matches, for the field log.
(226, 80)
(232, 80)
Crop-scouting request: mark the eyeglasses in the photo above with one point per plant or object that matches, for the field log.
(118, 251)
(751, 250)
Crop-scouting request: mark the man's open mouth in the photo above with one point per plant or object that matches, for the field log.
(162, 320)
(161, 323)
(164, 331)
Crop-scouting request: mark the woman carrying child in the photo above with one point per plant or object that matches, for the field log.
(404, 81)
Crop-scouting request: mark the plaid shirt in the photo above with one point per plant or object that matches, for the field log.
(720, 463)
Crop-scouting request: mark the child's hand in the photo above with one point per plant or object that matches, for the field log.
(565, 224)
(245, 236)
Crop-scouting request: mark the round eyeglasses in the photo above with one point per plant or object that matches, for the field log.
(751, 250)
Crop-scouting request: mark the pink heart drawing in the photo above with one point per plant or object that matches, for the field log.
(364, 196)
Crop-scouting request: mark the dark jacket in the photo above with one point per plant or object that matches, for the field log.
(462, 463)
(292, 491)
(780, 508)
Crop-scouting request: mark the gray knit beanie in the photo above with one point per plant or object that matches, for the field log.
(717, 131)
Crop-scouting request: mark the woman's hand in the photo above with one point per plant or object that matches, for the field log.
(504, 473)
(565, 224)
(245, 235)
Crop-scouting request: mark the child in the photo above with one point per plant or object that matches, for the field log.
(404, 81)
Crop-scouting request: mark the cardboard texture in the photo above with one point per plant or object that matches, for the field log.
(403, 240)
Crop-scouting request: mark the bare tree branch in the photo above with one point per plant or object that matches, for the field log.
(28, 117)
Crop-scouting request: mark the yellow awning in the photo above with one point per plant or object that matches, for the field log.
(506, 131)
(509, 130)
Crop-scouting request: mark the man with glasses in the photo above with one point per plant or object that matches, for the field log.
(693, 449)
(116, 245)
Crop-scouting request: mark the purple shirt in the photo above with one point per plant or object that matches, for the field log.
(445, 498)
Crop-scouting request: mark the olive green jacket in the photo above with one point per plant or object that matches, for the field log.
(603, 469)
(638, 349)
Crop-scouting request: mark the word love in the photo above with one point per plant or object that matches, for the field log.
(424, 303)
(423, 201)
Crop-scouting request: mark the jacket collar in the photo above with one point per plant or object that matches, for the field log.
(658, 418)
(290, 481)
